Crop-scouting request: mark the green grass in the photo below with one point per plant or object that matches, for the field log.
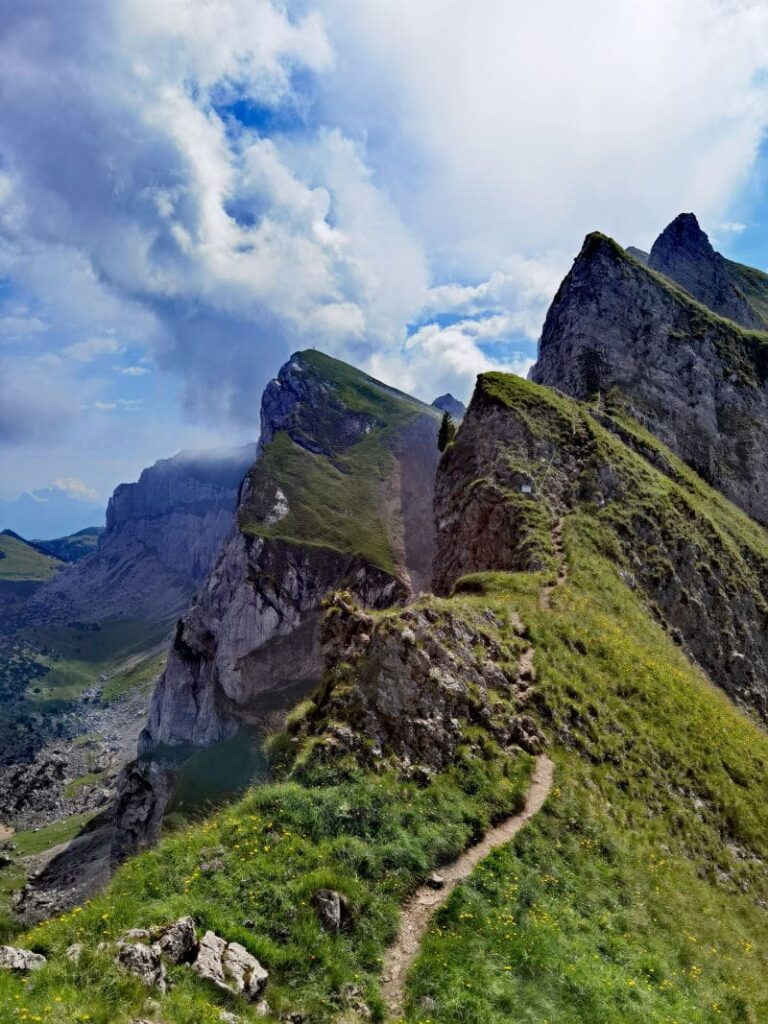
(634, 896)
(12, 879)
(73, 788)
(19, 561)
(371, 837)
(79, 655)
(334, 504)
(753, 284)
(29, 842)
(136, 678)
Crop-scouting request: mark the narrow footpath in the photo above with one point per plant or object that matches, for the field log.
(427, 900)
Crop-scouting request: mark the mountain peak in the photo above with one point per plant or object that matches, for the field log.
(447, 403)
(683, 253)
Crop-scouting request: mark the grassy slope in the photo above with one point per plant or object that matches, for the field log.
(122, 650)
(753, 284)
(336, 501)
(372, 838)
(635, 896)
(20, 561)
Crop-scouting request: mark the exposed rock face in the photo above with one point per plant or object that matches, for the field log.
(413, 686)
(339, 494)
(143, 961)
(447, 403)
(249, 642)
(639, 254)
(694, 381)
(710, 590)
(683, 253)
(161, 536)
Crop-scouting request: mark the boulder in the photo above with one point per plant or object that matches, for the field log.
(230, 967)
(20, 961)
(144, 962)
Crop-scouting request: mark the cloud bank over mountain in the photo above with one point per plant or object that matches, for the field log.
(188, 192)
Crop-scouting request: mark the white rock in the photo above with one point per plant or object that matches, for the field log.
(21, 961)
(229, 966)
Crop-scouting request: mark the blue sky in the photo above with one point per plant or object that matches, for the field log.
(190, 192)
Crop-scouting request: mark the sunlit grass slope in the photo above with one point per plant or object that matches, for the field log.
(20, 561)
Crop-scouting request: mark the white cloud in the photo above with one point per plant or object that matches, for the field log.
(20, 327)
(126, 404)
(90, 349)
(34, 405)
(75, 488)
(734, 227)
(511, 127)
(133, 371)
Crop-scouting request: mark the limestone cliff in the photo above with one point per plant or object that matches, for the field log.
(340, 494)
(162, 534)
(696, 380)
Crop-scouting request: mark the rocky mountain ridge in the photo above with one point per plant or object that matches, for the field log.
(683, 253)
(694, 379)
(525, 457)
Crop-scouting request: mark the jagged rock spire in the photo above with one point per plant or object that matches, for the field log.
(683, 253)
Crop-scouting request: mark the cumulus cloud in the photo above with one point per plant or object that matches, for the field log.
(219, 184)
(133, 371)
(509, 127)
(18, 328)
(75, 488)
(89, 349)
(240, 247)
(448, 358)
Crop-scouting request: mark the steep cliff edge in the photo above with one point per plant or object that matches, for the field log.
(525, 457)
(340, 494)
(696, 380)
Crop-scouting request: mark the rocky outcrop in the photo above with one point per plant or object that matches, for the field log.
(412, 687)
(161, 536)
(692, 378)
(249, 642)
(340, 494)
(230, 967)
(683, 253)
(525, 457)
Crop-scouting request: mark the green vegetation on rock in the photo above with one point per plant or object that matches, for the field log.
(334, 484)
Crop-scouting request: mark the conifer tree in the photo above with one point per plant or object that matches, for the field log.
(447, 432)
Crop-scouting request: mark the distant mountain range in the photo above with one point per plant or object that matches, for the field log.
(49, 512)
